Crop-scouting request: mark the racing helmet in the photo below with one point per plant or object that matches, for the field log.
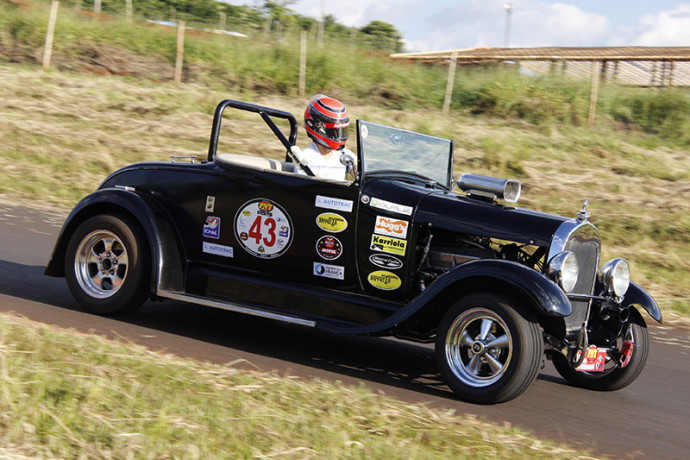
(326, 121)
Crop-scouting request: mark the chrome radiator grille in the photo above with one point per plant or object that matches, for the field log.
(587, 249)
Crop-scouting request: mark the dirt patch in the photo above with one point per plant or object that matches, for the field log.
(102, 59)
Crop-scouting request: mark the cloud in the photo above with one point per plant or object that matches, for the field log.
(532, 23)
(668, 28)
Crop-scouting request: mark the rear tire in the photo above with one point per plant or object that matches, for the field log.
(107, 265)
(488, 348)
(615, 377)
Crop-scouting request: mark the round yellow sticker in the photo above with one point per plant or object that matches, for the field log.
(384, 280)
(331, 222)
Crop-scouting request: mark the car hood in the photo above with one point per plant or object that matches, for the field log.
(457, 213)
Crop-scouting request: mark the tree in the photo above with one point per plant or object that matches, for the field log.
(383, 36)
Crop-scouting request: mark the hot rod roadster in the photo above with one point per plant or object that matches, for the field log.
(397, 251)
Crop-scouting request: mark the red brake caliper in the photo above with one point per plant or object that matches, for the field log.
(626, 353)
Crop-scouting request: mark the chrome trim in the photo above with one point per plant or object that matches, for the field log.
(586, 297)
(192, 158)
(126, 188)
(231, 307)
(565, 231)
(570, 235)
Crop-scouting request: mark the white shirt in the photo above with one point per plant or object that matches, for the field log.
(325, 166)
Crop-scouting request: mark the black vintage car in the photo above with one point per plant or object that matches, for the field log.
(395, 252)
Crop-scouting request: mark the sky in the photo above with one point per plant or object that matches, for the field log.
(434, 25)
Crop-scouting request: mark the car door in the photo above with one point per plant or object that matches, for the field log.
(277, 228)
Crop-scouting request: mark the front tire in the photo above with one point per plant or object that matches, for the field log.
(614, 376)
(107, 265)
(488, 348)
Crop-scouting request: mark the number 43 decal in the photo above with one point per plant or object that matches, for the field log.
(270, 230)
(263, 228)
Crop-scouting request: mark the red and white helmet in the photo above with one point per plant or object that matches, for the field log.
(326, 121)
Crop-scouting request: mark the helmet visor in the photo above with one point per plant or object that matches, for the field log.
(336, 131)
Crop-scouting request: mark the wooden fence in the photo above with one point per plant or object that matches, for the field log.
(632, 66)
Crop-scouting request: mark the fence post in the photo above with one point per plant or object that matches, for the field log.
(128, 10)
(97, 6)
(450, 83)
(180, 51)
(48, 51)
(593, 94)
(302, 63)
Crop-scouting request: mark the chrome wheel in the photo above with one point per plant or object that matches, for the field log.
(101, 264)
(108, 264)
(488, 347)
(478, 347)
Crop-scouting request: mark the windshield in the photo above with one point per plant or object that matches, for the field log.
(392, 149)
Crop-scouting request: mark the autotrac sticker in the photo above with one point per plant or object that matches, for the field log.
(217, 249)
(331, 222)
(212, 227)
(335, 272)
(384, 280)
(388, 244)
(385, 261)
(263, 228)
(337, 204)
(390, 206)
(329, 247)
(391, 227)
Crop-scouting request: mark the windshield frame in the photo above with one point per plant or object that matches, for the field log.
(443, 179)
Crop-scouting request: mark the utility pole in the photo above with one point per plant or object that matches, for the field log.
(321, 31)
(506, 36)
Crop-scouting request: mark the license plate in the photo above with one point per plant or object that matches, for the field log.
(595, 360)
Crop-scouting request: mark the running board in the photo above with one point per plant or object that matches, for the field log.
(236, 308)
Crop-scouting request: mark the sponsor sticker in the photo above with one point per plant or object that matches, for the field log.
(217, 249)
(337, 204)
(329, 247)
(595, 360)
(391, 227)
(335, 272)
(331, 222)
(390, 206)
(263, 228)
(385, 261)
(384, 280)
(388, 244)
(210, 203)
(212, 227)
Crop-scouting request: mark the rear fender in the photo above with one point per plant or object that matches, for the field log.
(162, 236)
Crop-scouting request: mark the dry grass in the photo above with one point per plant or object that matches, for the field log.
(71, 395)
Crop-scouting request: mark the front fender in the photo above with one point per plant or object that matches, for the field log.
(544, 295)
(638, 296)
(163, 239)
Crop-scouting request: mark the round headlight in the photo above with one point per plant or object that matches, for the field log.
(615, 276)
(563, 270)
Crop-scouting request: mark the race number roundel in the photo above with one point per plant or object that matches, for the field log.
(263, 228)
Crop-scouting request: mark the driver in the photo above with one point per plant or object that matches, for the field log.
(326, 122)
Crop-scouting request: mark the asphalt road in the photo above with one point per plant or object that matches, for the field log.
(650, 418)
